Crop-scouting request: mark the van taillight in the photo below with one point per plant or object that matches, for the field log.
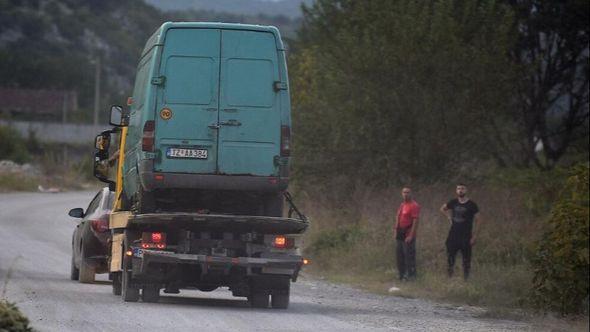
(285, 141)
(153, 240)
(147, 141)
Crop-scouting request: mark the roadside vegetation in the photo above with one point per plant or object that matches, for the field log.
(26, 164)
(11, 319)
(427, 94)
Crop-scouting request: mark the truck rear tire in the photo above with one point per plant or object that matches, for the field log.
(150, 294)
(128, 292)
(117, 287)
(258, 300)
(74, 272)
(86, 273)
(280, 300)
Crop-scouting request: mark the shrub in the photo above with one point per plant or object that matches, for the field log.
(12, 146)
(11, 319)
(561, 260)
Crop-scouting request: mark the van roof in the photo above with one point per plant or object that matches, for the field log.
(156, 38)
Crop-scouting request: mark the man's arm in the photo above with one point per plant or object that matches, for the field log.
(413, 231)
(395, 224)
(444, 209)
(476, 222)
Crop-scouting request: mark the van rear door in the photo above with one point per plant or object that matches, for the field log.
(249, 108)
(187, 102)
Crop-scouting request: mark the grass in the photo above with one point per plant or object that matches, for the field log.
(17, 182)
(351, 241)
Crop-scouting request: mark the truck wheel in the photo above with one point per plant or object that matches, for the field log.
(128, 292)
(259, 300)
(86, 273)
(280, 300)
(117, 283)
(150, 293)
(74, 272)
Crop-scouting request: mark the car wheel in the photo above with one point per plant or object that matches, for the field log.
(74, 272)
(86, 271)
(117, 283)
(150, 293)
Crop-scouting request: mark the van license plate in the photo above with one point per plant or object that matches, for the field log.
(186, 153)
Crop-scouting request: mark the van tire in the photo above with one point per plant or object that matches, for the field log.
(86, 272)
(144, 202)
(273, 205)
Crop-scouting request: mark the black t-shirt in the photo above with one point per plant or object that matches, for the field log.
(462, 217)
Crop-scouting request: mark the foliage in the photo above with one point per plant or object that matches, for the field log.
(11, 319)
(13, 146)
(552, 57)
(561, 263)
(392, 91)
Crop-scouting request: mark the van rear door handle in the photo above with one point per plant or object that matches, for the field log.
(214, 126)
(231, 122)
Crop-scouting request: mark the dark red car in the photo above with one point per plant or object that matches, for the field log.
(91, 236)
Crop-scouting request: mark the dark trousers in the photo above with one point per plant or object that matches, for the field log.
(453, 247)
(406, 256)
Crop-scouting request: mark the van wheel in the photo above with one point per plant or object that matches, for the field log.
(273, 205)
(144, 202)
(86, 273)
(150, 293)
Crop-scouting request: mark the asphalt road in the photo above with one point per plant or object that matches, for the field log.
(35, 237)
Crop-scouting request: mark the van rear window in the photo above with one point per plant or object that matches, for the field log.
(249, 82)
(189, 80)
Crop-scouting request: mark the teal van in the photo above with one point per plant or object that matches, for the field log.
(209, 121)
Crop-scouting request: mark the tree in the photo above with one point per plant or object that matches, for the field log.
(552, 53)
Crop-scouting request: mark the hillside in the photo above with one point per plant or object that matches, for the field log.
(53, 44)
(289, 8)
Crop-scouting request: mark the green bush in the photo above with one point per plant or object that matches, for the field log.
(11, 319)
(560, 263)
(13, 146)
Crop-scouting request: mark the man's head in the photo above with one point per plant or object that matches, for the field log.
(407, 194)
(461, 190)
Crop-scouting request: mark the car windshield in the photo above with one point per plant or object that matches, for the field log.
(111, 200)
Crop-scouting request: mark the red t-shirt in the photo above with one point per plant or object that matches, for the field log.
(407, 212)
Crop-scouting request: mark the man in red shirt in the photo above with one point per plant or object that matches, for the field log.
(406, 225)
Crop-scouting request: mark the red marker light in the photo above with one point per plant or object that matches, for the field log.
(156, 237)
(280, 241)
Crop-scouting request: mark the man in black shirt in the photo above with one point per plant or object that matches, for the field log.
(462, 215)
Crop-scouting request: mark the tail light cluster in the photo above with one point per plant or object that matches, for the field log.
(150, 240)
(285, 141)
(283, 242)
(147, 140)
(101, 224)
